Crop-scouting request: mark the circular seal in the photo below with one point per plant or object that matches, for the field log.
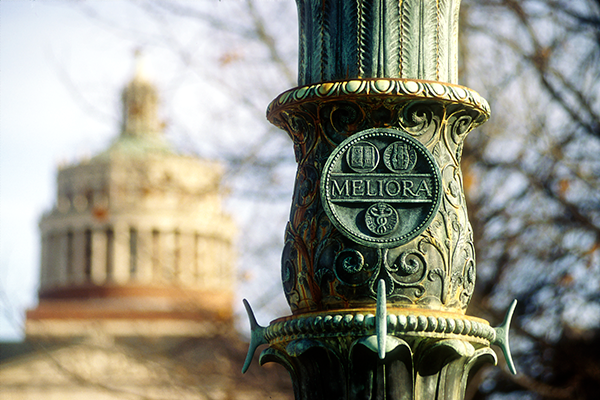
(381, 187)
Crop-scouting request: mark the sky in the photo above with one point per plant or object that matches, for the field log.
(38, 124)
(61, 72)
(41, 125)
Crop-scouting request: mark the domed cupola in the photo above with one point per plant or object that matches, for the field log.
(140, 104)
(137, 238)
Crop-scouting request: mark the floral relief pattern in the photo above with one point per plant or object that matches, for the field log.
(323, 269)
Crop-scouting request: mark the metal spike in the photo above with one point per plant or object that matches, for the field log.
(502, 337)
(381, 319)
(257, 336)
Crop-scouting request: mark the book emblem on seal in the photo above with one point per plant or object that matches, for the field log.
(381, 187)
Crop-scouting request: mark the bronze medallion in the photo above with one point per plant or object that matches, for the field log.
(381, 187)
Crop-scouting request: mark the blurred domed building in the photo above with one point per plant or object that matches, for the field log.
(137, 278)
(137, 235)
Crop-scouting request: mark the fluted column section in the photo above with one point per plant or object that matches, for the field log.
(62, 277)
(412, 39)
(121, 254)
(99, 257)
(186, 258)
(145, 271)
(78, 259)
(45, 271)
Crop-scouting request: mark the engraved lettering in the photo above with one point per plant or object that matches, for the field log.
(358, 187)
(345, 187)
(380, 187)
(423, 187)
(408, 185)
(415, 188)
(369, 192)
(388, 188)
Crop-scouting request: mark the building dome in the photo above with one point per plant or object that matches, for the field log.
(137, 241)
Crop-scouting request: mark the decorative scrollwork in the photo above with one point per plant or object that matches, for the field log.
(410, 267)
(468, 283)
(460, 127)
(288, 270)
(453, 193)
(354, 269)
(301, 127)
(297, 274)
(441, 274)
(343, 115)
(418, 119)
(422, 120)
(341, 119)
(350, 268)
(307, 182)
(318, 118)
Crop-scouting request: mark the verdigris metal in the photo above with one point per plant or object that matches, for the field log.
(430, 259)
(400, 355)
(343, 40)
(378, 265)
(381, 187)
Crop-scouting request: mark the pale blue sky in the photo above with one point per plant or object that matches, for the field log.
(41, 124)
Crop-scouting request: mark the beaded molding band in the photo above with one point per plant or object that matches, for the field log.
(326, 325)
(411, 88)
(364, 324)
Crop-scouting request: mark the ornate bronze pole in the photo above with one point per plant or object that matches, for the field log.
(379, 264)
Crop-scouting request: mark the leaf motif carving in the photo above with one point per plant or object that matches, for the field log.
(367, 39)
(391, 45)
(348, 22)
(428, 40)
(413, 39)
(314, 41)
(302, 55)
(327, 37)
(453, 42)
(361, 37)
(441, 274)
(410, 37)
(444, 39)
